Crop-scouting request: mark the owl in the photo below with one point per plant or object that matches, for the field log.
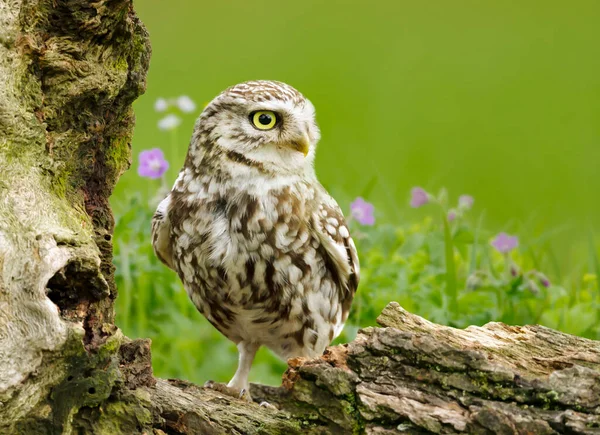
(262, 249)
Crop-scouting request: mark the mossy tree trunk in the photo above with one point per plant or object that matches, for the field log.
(69, 71)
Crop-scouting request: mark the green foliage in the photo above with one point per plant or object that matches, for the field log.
(408, 265)
(404, 263)
(495, 98)
(488, 109)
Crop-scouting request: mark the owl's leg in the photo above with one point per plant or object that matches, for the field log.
(247, 352)
(239, 386)
(240, 379)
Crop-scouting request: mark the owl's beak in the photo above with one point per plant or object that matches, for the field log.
(302, 144)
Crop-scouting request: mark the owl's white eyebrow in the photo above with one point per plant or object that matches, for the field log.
(263, 106)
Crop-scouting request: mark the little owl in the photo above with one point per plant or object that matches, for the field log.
(262, 249)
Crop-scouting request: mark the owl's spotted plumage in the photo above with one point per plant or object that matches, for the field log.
(262, 249)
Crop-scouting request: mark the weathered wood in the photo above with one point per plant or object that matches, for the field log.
(412, 376)
(69, 71)
(419, 377)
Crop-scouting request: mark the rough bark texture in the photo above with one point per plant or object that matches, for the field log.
(69, 71)
(409, 376)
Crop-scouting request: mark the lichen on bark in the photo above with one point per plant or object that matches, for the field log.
(69, 71)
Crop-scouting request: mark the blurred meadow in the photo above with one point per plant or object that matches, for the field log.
(499, 100)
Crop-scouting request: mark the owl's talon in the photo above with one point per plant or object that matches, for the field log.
(265, 404)
(242, 394)
(245, 395)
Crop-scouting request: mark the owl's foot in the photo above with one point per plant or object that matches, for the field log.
(242, 394)
(267, 405)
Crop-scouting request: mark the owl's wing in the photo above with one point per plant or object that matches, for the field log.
(335, 238)
(161, 233)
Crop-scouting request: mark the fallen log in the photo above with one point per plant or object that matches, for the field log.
(413, 376)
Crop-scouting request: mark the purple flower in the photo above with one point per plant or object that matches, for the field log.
(465, 201)
(451, 215)
(418, 197)
(362, 211)
(152, 163)
(543, 279)
(505, 243)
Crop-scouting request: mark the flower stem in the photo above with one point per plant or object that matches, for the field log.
(507, 268)
(500, 290)
(451, 287)
(173, 152)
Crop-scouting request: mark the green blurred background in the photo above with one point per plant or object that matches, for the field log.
(497, 99)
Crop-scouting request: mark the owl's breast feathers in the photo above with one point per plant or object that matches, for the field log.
(279, 262)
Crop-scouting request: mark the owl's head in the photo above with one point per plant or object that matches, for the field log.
(261, 122)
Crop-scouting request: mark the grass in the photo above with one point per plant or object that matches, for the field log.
(498, 99)
(444, 271)
(493, 98)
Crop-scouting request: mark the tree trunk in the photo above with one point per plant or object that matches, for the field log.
(69, 71)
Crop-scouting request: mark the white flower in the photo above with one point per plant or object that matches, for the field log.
(169, 122)
(185, 104)
(161, 105)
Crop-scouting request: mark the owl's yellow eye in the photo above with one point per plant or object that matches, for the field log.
(264, 119)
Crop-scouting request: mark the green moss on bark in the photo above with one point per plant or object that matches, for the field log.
(88, 382)
(122, 415)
